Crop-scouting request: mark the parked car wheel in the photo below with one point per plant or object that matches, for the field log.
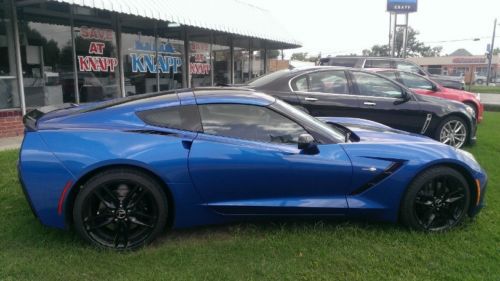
(120, 209)
(479, 81)
(452, 131)
(436, 200)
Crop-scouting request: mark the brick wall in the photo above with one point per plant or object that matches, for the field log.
(11, 123)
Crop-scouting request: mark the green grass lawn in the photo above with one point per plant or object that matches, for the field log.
(483, 89)
(267, 251)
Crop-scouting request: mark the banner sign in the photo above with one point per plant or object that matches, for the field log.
(96, 61)
(469, 60)
(402, 6)
(143, 58)
(198, 62)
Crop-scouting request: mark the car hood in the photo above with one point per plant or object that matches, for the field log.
(459, 92)
(369, 131)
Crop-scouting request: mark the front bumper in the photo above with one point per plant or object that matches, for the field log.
(479, 205)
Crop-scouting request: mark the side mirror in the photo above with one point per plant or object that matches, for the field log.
(434, 88)
(405, 96)
(307, 144)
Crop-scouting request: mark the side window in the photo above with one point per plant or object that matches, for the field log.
(375, 86)
(407, 66)
(378, 64)
(184, 117)
(347, 62)
(389, 74)
(415, 82)
(328, 82)
(249, 122)
(300, 84)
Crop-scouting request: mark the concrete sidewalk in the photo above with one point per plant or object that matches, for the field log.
(491, 101)
(10, 143)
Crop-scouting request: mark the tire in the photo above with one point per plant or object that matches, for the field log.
(436, 200)
(458, 139)
(479, 81)
(121, 209)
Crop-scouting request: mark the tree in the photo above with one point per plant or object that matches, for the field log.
(496, 51)
(299, 56)
(414, 48)
(272, 54)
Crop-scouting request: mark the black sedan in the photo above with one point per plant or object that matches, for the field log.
(347, 92)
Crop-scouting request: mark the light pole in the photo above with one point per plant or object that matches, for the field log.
(490, 53)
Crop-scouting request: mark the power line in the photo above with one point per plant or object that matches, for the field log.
(459, 40)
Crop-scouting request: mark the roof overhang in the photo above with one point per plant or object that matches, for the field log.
(223, 16)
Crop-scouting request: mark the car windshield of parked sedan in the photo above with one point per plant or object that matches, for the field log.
(335, 134)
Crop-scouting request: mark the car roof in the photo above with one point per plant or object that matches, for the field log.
(206, 95)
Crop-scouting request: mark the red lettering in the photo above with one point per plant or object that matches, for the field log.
(96, 48)
(83, 64)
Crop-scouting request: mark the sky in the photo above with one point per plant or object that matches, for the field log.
(335, 27)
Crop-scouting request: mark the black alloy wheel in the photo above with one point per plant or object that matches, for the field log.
(437, 200)
(120, 209)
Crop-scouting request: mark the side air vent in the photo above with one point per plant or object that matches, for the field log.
(380, 177)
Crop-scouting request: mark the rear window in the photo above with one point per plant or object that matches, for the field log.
(378, 64)
(266, 79)
(184, 117)
(347, 62)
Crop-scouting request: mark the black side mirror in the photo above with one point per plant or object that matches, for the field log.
(434, 88)
(307, 144)
(405, 96)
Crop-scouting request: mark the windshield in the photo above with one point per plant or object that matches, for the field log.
(265, 79)
(317, 124)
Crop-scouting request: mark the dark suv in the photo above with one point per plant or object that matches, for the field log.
(395, 63)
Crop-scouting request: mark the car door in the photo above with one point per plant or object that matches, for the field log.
(326, 93)
(247, 162)
(382, 100)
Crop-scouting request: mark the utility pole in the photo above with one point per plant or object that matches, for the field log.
(490, 53)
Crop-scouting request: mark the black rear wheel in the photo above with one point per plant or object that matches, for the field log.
(120, 209)
(436, 200)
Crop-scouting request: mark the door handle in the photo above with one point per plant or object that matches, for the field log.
(310, 99)
(369, 103)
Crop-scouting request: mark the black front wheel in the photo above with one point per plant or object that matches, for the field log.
(120, 209)
(436, 200)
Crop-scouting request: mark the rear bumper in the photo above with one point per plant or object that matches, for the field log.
(25, 192)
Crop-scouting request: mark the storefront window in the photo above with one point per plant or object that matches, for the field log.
(139, 60)
(241, 65)
(257, 64)
(9, 95)
(96, 57)
(46, 57)
(221, 55)
(200, 64)
(171, 57)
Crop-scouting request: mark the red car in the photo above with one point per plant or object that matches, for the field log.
(424, 86)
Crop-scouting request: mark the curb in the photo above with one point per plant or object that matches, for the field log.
(491, 107)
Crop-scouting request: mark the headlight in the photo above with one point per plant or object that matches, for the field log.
(470, 110)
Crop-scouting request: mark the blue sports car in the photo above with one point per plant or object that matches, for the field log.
(120, 172)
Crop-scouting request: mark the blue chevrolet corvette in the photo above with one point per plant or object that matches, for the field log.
(120, 172)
